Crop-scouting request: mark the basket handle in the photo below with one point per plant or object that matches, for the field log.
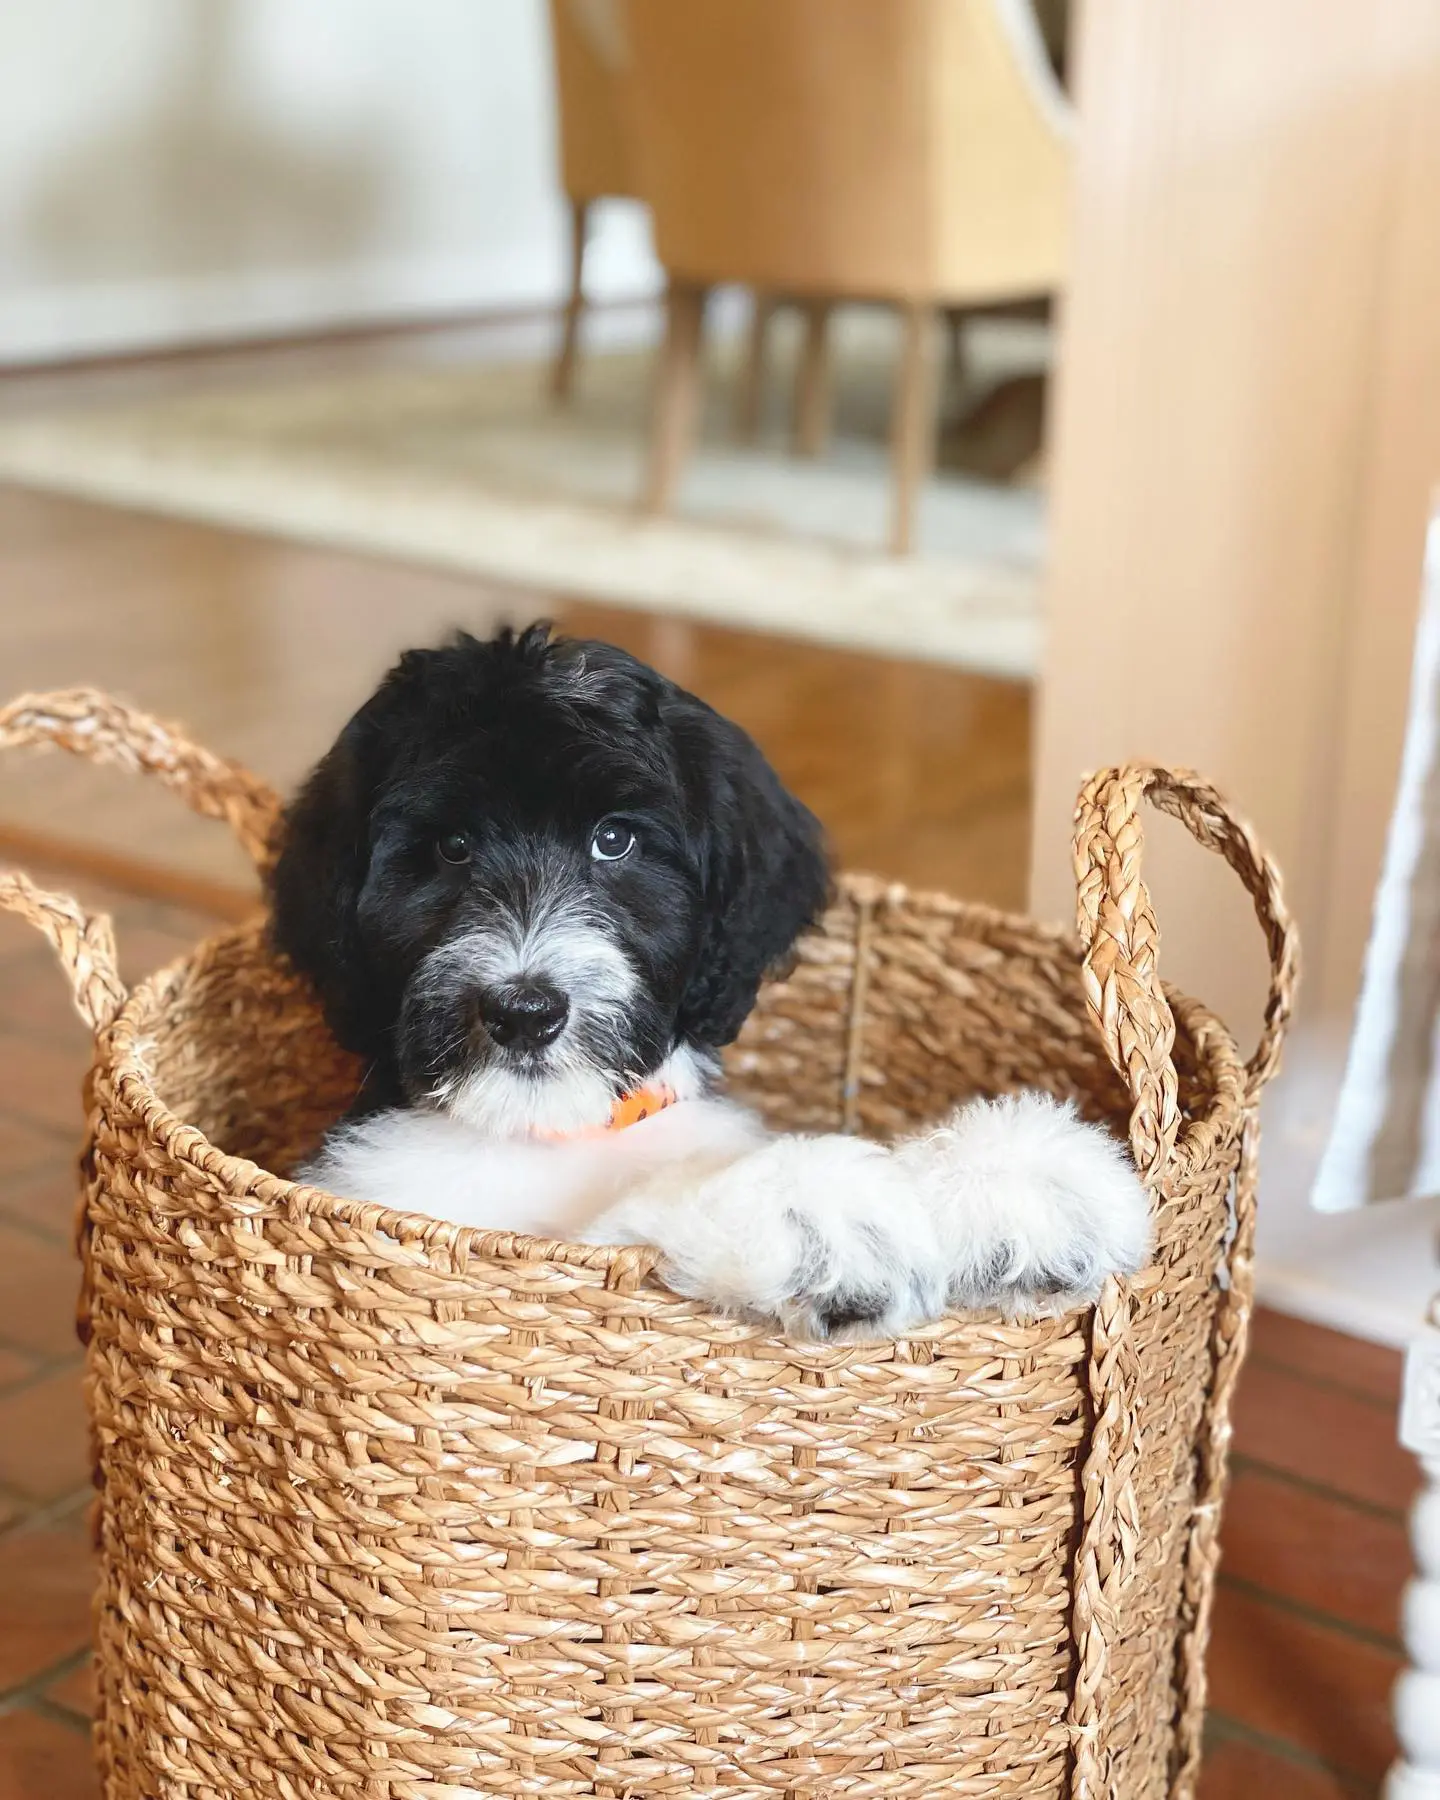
(83, 941)
(1121, 939)
(91, 724)
(103, 730)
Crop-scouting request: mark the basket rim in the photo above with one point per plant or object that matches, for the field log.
(120, 1049)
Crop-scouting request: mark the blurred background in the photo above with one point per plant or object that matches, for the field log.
(959, 393)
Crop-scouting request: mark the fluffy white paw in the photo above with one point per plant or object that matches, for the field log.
(1035, 1208)
(861, 1278)
(825, 1235)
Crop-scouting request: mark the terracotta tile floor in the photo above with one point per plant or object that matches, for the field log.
(1304, 1648)
(45, 1573)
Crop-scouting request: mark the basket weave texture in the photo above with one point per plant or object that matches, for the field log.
(396, 1510)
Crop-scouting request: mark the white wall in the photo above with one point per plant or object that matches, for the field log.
(178, 170)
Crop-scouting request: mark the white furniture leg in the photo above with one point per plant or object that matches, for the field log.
(1416, 1776)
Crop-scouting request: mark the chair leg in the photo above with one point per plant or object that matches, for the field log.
(750, 388)
(562, 377)
(677, 395)
(812, 385)
(912, 438)
(957, 360)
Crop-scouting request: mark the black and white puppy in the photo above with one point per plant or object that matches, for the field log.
(537, 887)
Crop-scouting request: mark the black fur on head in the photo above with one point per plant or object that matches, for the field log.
(539, 856)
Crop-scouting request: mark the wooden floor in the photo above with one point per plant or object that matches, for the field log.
(264, 649)
(921, 773)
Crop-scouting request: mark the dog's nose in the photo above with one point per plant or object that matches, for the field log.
(525, 1015)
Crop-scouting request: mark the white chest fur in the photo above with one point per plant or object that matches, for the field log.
(430, 1162)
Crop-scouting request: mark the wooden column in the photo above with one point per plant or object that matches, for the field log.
(1247, 432)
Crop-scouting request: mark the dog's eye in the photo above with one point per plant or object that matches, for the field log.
(455, 847)
(612, 840)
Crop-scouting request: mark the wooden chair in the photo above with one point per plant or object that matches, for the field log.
(596, 161)
(910, 151)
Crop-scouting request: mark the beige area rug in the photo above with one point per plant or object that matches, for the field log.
(470, 467)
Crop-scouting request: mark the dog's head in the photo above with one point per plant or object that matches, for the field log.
(531, 870)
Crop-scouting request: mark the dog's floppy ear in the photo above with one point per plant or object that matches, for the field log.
(764, 868)
(316, 883)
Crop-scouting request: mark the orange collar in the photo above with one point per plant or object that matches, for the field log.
(638, 1104)
(629, 1109)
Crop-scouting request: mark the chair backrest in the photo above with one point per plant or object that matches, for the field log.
(592, 81)
(899, 149)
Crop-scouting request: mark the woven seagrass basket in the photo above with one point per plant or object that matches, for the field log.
(397, 1510)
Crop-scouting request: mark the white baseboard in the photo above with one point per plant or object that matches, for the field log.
(120, 318)
(1372, 1273)
(49, 321)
